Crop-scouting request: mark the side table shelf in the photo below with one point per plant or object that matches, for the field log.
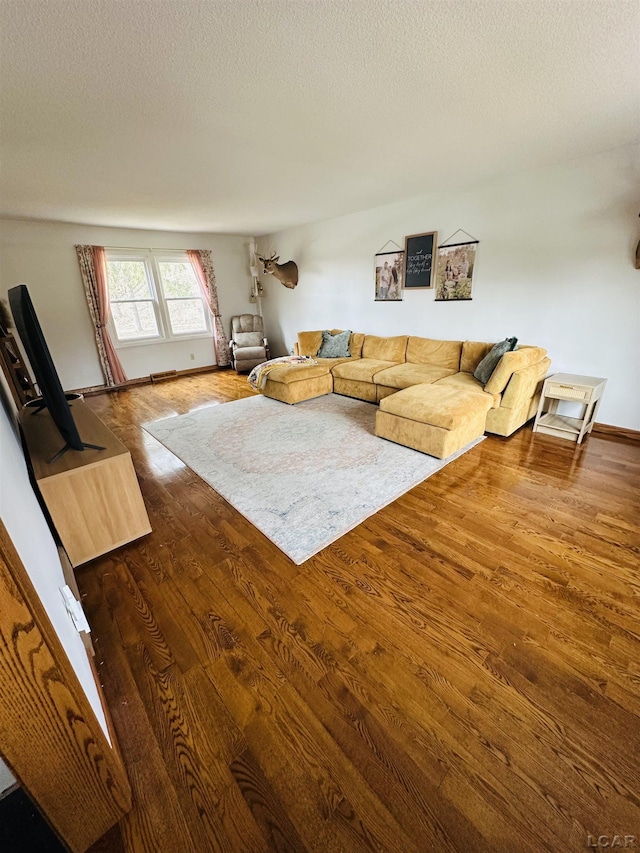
(572, 388)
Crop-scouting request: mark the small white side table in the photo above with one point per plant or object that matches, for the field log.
(587, 390)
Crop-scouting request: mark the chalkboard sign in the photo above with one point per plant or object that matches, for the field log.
(419, 255)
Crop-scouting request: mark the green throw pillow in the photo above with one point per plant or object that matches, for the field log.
(489, 363)
(335, 346)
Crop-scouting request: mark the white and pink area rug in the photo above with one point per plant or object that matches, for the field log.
(304, 475)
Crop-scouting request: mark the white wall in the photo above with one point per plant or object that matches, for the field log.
(26, 525)
(42, 256)
(555, 267)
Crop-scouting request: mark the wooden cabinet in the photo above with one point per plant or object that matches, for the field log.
(93, 496)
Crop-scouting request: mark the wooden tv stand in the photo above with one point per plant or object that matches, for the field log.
(93, 496)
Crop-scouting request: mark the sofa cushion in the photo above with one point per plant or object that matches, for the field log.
(472, 354)
(361, 370)
(297, 392)
(297, 372)
(332, 362)
(524, 356)
(468, 382)
(430, 351)
(335, 346)
(439, 405)
(385, 349)
(365, 391)
(488, 364)
(405, 375)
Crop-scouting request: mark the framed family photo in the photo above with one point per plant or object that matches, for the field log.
(389, 276)
(454, 274)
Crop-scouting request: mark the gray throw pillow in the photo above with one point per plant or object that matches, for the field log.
(489, 363)
(335, 346)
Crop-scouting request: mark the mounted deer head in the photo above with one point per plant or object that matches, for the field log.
(287, 273)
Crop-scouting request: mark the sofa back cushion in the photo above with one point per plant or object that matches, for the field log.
(356, 342)
(430, 351)
(310, 342)
(385, 349)
(472, 354)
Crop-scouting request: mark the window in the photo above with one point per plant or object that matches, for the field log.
(185, 308)
(154, 297)
(133, 306)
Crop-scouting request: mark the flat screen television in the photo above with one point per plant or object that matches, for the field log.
(35, 346)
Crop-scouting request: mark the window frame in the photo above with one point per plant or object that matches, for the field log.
(151, 260)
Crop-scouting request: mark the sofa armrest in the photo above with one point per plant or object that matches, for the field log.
(524, 384)
(511, 362)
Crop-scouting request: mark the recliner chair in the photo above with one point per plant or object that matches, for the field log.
(248, 344)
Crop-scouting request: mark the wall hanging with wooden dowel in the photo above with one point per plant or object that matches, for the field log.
(455, 268)
(389, 273)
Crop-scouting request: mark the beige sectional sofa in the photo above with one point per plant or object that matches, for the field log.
(428, 397)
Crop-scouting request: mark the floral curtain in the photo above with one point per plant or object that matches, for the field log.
(93, 268)
(203, 268)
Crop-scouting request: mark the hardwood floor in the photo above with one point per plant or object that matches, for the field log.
(461, 672)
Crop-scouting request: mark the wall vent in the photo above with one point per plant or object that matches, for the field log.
(166, 374)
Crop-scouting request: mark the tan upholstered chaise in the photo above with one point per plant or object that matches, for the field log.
(436, 419)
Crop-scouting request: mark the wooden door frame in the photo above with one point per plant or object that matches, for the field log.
(49, 735)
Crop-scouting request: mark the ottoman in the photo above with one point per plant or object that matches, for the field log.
(434, 419)
(293, 383)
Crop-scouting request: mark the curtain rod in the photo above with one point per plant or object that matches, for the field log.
(147, 249)
(142, 248)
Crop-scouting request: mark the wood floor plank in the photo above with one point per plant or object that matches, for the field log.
(459, 672)
(450, 696)
(301, 775)
(156, 821)
(198, 777)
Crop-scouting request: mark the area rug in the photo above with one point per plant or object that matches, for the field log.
(304, 475)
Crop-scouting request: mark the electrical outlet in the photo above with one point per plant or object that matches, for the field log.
(193, 356)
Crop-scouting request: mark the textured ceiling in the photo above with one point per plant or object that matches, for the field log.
(253, 115)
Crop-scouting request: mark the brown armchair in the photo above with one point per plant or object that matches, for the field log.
(248, 343)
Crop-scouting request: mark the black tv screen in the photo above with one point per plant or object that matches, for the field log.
(44, 371)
